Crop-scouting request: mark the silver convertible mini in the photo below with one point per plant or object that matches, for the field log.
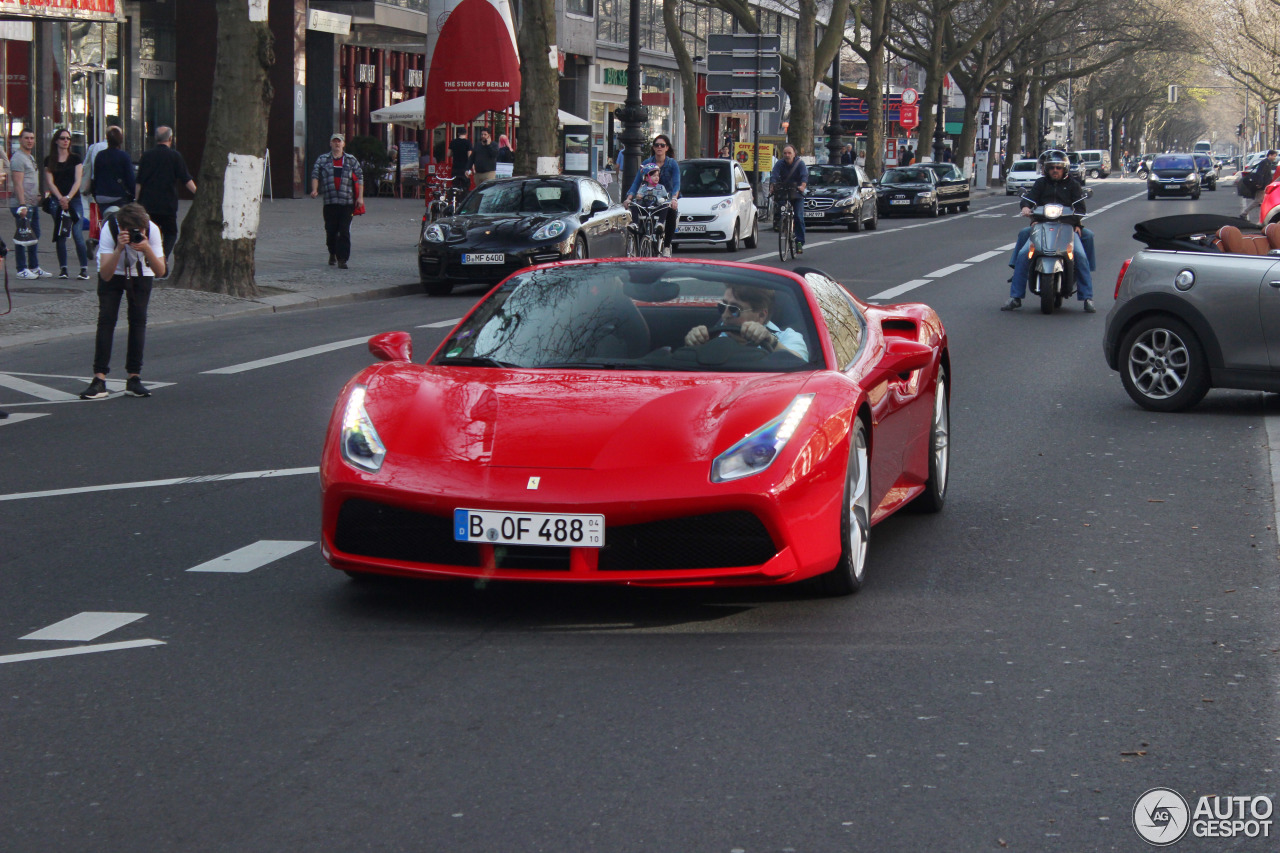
(1198, 309)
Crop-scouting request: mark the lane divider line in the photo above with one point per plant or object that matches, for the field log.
(254, 556)
(946, 270)
(977, 259)
(176, 481)
(289, 356)
(443, 324)
(79, 650)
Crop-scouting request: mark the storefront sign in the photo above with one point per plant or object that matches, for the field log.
(365, 73)
(615, 76)
(155, 69)
(328, 22)
(84, 10)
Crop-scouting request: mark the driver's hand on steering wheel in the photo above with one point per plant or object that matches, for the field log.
(697, 336)
(755, 333)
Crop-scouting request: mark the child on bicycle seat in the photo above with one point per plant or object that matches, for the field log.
(651, 192)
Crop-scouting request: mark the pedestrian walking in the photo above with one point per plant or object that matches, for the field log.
(483, 162)
(24, 205)
(847, 156)
(160, 171)
(460, 152)
(127, 269)
(339, 175)
(506, 154)
(114, 181)
(63, 172)
(1263, 174)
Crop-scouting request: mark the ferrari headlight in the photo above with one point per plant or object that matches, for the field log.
(724, 205)
(433, 234)
(757, 451)
(361, 446)
(550, 231)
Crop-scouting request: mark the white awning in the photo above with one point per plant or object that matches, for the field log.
(410, 113)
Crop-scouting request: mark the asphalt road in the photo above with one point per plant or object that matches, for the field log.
(1092, 615)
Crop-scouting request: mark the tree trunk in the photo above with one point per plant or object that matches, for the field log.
(688, 82)
(1017, 109)
(800, 129)
(219, 234)
(934, 76)
(539, 85)
(875, 111)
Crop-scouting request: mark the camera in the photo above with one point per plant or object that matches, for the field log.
(135, 236)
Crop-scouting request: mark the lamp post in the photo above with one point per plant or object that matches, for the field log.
(835, 142)
(632, 113)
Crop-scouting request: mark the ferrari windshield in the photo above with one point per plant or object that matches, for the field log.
(638, 315)
(537, 196)
(919, 175)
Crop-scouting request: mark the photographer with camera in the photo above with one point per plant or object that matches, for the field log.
(127, 267)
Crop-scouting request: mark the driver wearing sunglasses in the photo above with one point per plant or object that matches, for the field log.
(745, 317)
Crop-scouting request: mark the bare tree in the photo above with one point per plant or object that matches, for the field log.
(219, 233)
(688, 78)
(539, 84)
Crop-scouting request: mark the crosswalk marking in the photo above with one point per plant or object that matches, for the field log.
(84, 627)
(176, 481)
(79, 650)
(252, 557)
(46, 394)
(15, 417)
(289, 356)
(14, 383)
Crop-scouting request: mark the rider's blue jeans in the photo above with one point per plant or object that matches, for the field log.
(1022, 270)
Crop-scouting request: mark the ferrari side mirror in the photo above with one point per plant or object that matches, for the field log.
(392, 346)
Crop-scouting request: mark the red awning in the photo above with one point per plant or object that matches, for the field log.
(475, 66)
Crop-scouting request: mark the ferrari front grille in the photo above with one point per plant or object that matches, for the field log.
(712, 541)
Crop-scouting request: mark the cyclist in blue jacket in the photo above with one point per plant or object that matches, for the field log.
(791, 176)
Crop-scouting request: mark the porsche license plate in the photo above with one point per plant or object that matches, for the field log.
(489, 258)
(502, 527)
(691, 229)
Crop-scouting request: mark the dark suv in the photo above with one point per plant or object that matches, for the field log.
(1173, 174)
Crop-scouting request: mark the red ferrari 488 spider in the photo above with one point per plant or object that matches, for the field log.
(656, 422)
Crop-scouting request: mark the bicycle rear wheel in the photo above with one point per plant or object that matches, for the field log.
(784, 232)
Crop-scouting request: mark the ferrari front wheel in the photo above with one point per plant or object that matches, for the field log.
(935, 488)
(855, 521)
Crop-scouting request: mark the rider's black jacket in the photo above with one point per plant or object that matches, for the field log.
(1065, 192)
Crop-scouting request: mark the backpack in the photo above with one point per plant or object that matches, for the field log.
(1246, 184)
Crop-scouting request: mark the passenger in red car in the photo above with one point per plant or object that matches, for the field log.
(748, 310)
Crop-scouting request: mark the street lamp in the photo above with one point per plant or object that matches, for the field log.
(632, 113)
(835, 144)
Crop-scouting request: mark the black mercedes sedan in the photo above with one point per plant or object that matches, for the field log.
(511, 223)
(908, 189)
(840, 195)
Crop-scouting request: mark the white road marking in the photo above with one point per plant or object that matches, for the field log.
(1007, 247)
(443, 324)
(84, 627)
(977, 259)
(290, 356)
(19, 418)
(79, 650)
(901, 289)
(176, 481)
(946, 271)
(8, 380)
(253, 556)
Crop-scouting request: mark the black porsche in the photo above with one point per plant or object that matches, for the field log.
(512, 223)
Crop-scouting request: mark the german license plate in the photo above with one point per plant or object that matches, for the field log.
(504, 527)
(815, 214)
(899, 201)
(490, 258)
(691, 229)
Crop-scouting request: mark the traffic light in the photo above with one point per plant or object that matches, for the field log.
(1240, 129)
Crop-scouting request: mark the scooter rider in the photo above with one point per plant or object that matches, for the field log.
(1056, 186)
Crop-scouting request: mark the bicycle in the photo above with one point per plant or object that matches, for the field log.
(648, 223)
(443, 199)
(786, 230)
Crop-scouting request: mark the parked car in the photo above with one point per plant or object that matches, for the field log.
(1095, 162)
(1173, 174)
(1021, 177)
(1195, 310)
(511, 223)
(953, 186)
(1076, 167)
(908, 189)
(840, 195)
(566, 430)
(716, 205)
(1208, 171)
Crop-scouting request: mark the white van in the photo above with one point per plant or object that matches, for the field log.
(1095, 163)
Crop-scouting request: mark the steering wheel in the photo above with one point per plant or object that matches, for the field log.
(715, 330)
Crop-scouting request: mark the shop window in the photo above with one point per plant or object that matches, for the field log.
(580, 8)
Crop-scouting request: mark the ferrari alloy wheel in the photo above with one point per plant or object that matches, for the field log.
(1162, 365)
(855, 521)
(935, 488)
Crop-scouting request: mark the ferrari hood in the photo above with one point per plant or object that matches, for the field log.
(570, 419)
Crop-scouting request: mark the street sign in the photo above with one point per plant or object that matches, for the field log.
(739, 62)
(743, 82)
(909, 116)
(742, 153)
(770, 102)
(743, 42)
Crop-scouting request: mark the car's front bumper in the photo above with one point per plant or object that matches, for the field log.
(915, 204)
(440, 262)
(846, 215)
(705, 227)
(1173, 186)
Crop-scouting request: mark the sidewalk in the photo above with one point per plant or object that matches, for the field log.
(292, 271)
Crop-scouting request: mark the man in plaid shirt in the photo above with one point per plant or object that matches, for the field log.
(342, 181)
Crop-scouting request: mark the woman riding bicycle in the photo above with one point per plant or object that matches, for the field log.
(668, 176)
(788, 181)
